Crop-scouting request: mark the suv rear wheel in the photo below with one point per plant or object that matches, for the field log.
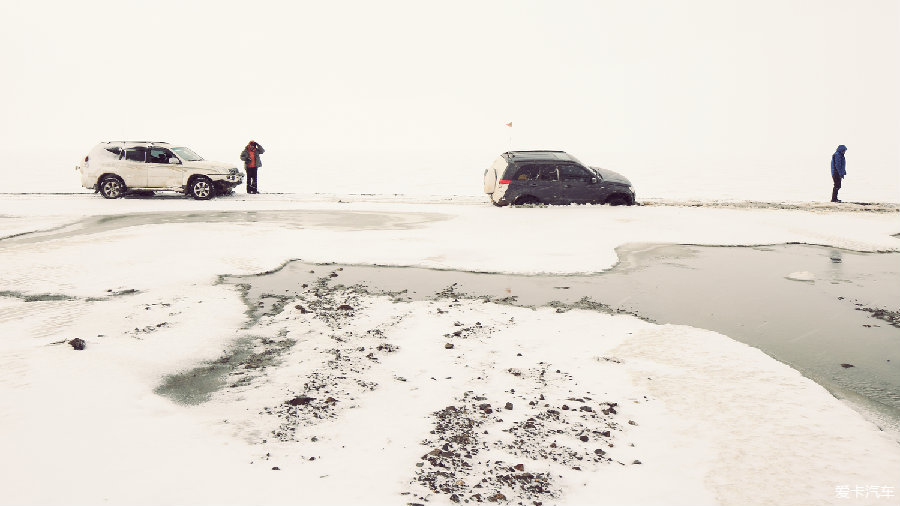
(202, 188)
(111, 187)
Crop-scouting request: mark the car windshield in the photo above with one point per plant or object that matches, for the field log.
(186, 154)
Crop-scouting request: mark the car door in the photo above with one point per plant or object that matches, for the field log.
(536, 180)
(548, 183)
(164, 168)
(133, 169)
(577, 184)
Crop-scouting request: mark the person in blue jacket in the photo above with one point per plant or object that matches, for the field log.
(838, 170)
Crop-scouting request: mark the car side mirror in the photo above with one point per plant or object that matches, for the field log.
(174, 161)
(593, 180)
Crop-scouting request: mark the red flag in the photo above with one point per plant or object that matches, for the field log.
(509, 124)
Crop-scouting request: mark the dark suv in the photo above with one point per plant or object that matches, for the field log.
(553, 177)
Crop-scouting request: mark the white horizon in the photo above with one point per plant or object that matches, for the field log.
(741, 99)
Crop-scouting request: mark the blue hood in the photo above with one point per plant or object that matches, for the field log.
(838, 163)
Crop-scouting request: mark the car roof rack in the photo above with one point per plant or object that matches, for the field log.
(141, 142)
(541, 154)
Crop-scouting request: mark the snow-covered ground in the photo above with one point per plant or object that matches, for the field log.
(340, 396)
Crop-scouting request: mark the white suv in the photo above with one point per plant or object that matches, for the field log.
(115, 168)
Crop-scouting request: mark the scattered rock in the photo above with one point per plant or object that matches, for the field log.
(78, 343)
(449, 346)
(891, 317)
(300, 400)
(845, 366)
(345, 307)
(508, 406)
(636, 462)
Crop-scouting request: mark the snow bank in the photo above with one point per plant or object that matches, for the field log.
(801, 276)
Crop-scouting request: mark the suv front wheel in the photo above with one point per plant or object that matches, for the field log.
(111, 187)
(202, 188)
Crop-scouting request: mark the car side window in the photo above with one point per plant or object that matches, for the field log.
(527, 173)
(136, 154)
(548, 173)
(116, 150)
(573, 173)
(158, 155)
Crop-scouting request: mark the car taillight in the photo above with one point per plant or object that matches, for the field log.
(85, 159)
(504, 181)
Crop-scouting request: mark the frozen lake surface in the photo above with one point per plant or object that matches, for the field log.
(352, 392)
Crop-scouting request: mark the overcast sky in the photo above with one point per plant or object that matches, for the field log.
(645, 87)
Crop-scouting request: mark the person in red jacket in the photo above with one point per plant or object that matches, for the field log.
(252, 162)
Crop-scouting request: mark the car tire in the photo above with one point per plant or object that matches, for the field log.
(525, 200)
(202, 188)
(111, 187)
(617, 200)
